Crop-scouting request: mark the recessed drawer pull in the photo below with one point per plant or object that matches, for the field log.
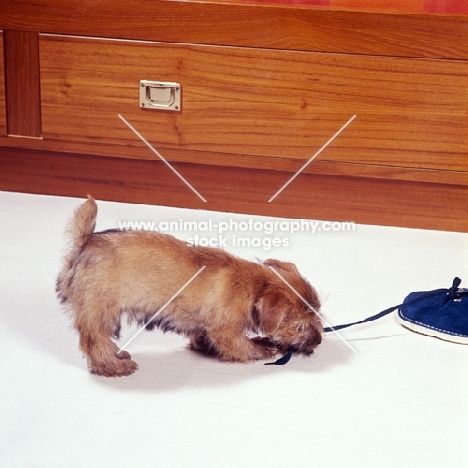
(160, 95)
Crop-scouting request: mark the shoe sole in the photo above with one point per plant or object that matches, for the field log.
(436, 333)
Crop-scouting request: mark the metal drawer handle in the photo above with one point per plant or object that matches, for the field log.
(160, 95)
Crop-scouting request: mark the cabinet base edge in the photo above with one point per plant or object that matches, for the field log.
(237, 190)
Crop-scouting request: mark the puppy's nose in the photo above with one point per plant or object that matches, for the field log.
(318, 338)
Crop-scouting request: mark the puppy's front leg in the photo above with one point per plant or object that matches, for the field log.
(264, 342)
(234, 346)
(201, 343)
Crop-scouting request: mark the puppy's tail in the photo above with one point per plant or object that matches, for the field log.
(81, 227)
(80, 231)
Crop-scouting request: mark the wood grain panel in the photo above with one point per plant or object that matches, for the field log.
(2, 89)
(240, 24)
(290, 166)
(23, 100)
(410, 113)
(394, 203)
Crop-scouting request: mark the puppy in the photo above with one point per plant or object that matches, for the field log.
(234, 309)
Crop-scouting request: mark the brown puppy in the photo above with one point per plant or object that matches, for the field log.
(235, 309)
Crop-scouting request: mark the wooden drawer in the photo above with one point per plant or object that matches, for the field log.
(2, 89)
(277, 105)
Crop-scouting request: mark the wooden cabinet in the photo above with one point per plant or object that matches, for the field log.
(410, 113)
(255, 106)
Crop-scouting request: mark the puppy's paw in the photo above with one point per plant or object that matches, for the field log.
(123, 355)
(117, 368)
(264, 348)
(253, 350)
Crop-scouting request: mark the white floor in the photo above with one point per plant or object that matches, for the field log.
(399, 400)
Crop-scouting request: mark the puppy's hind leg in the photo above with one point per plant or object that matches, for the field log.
(101, 352)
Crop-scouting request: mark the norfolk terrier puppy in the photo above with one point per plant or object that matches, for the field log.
(234, 309)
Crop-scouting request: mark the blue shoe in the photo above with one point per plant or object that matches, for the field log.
(442, 313)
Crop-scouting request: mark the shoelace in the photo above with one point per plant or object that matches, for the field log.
(453, 293)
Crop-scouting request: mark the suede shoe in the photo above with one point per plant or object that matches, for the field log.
(442, 313)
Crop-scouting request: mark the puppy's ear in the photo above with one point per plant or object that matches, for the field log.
(285, 266)
(272, 308)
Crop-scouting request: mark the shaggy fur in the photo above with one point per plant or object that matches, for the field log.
(234, 309)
